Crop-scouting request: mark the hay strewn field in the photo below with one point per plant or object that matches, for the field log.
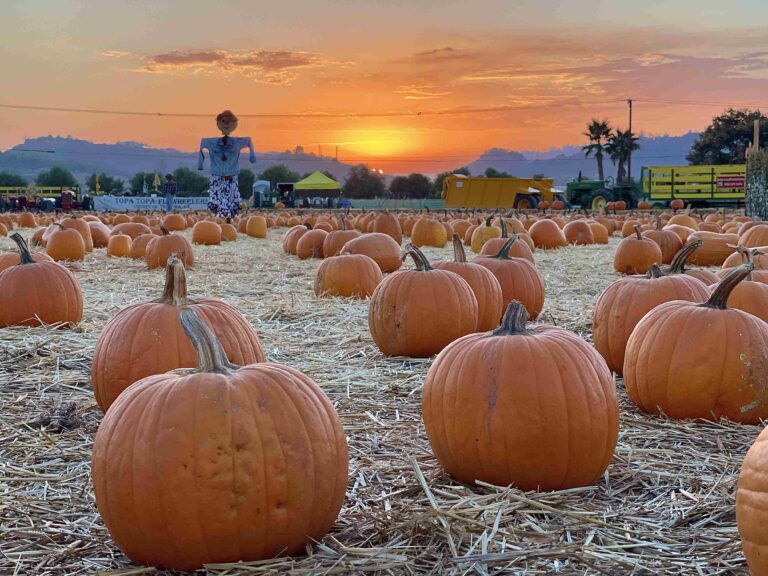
(665, 505)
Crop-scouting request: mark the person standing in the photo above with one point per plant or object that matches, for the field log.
(170, 192)
(225, 166)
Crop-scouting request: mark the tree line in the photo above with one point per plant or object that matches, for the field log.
(724, 141)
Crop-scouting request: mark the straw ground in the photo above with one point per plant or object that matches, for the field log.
(665, 505)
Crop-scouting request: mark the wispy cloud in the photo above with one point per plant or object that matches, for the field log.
(113, 53)
(421, 92)
(267, 66)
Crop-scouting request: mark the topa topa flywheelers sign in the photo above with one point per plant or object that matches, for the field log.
(730, 181)
(139, 203)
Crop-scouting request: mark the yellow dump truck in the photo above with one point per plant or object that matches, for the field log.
(477, 192)
(697, 185)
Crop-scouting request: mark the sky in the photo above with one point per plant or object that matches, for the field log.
(417, 85)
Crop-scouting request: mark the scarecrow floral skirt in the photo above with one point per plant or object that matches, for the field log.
(224, 196)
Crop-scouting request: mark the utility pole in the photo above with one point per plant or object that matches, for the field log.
(629, 153)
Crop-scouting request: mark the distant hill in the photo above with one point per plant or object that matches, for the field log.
(124, 159)
(565, 163)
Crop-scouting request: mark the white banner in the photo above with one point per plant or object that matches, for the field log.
(140, 203)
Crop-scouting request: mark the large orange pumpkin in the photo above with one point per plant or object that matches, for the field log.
(624, 303)
(65, 244)
(482, 234)
(161, 248)
(38, 292)
(428, 232)
(335, 240)
(81, 225)
(145, 338)
(751, 511)
(533, 407)
(546, 234)
(717, 368)
(351, 275)
(119, 246)
(484, 285)
(715, 248)
(635, 254)
(418, 312)
(380, 247)
(226, 463)
(669, 242)
(387, 223)
(292, 236)
(518, 249)
(139, 246)
(519, 279)
(99, 234)
(206, 232)
(310, 245)
(578, 232)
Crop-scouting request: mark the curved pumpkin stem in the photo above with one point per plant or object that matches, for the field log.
(343, 223)
(503, 254)
(638, 231)
(210, 355)
(489, 220)
(503, 223)
(459, 255)
(719, 298)
(654, 272)
(25, 257)
(678, 262)
(308, 225)
(513, 322)
(422, 264)
(659, 225)
(175, 291)
(164, 230)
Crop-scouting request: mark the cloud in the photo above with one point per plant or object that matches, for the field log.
(441, 55)
(421, 92)
(266, 66)
(113, 53)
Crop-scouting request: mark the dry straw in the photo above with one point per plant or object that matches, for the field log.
(665, 505)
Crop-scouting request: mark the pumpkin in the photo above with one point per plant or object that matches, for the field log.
(27, 220)
(669, 242)
(750, 295)
(681, 258)
(37, 237)
(335, 240)
(558, 205)
(532, 407)
(677, 204)
(12, 258)
(624, 303)
(635, 254)
(77, 223)
(755, 236)
(99, 234)
(485, 287)
(65, 244)
(387, 223)
(685, 219)
(681, 231)
(206, 232)
(35, 292)
(717, 368)
(482, 234)
(418, 312)
(428, 232)
(600, 233)
(644, 205)
(292, 236)
(161, 248)
(517, 249)
(377, 246)
(751, 512)
(132, 229)
(519, 279)
(227, 462)
(256, 227)
(119, 246)
(350, 275)
(175, 222)
(228, 232)
(460, 227)
(715, 248)
(145, 338)
(139, 246)
(310, 245)
(579, 233)
(547, 235)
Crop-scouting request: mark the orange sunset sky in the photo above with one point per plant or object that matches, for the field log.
(418, 85)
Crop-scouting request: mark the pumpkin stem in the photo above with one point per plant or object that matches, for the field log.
(489, 220)
(459, 255)
(719, 298)
(308, 225)
(164, 230)
(24, 255)
(504, 252)
(654, 272)
(503, 227)
(175, 291)
(678, 262)
(343, 223)
(638, 232)
(210, 355)
(658, 223)
(513, 322)
(422, 264)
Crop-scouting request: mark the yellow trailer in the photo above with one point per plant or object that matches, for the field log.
(702, 185)
(478, 192)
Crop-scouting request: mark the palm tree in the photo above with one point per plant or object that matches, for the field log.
(598, 132)
(618, 148)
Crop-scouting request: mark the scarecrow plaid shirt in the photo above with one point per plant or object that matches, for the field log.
(169, 188)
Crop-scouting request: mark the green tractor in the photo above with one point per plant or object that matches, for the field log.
(595, 194)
